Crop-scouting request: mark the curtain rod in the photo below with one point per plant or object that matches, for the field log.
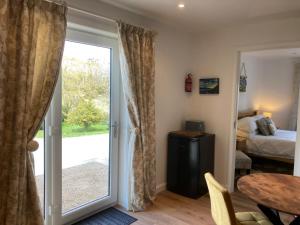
(92, 14)
(59, 2)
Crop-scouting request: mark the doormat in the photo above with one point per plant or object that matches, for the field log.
(110, 216)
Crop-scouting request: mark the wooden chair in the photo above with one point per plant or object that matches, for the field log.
(222, 209)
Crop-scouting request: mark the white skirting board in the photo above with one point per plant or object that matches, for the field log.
(161, 187)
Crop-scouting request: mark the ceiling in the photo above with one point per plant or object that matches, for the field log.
(208, 14)
(275, 53)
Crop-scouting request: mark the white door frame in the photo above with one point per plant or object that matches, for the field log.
(53, 183)
(234, 108)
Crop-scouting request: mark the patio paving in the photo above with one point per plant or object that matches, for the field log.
(85, 169)
(76, 151)
(80, 184)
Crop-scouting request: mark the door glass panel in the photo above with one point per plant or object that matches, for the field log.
(85, 124)
(39, 164)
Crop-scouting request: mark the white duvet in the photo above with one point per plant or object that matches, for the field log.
(282, 144)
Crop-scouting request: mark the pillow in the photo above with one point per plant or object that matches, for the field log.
(257, 117)
(271, 126)
(247, 125)
(263, 126)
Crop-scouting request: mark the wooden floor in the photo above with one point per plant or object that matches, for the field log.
(173, 209)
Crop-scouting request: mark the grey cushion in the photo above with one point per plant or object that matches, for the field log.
(271, 126)
(263, 126)
(242, 161)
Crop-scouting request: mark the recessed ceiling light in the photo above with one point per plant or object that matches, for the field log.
(181, 5)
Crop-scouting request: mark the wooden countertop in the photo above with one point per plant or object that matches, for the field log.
(188, 134)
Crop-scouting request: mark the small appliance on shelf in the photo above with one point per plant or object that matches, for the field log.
(194, 125)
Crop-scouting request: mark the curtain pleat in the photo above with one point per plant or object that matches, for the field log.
(138, 76)
(31, 46)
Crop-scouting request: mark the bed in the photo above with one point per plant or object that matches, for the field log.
(280, 147)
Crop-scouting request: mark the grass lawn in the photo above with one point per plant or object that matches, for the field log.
(77, 131)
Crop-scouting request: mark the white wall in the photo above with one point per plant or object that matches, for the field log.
(270, 87)
(217, 54)
(213, 53)
(249, 100)
(173, 61)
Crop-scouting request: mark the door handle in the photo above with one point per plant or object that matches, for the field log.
(115, 127)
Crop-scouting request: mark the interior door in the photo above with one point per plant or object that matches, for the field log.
(82, 126)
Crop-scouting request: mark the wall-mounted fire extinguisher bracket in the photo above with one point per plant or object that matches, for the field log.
(188, 83)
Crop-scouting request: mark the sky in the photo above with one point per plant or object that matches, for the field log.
(85, 52)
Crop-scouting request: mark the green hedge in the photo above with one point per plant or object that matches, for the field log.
(69, 130)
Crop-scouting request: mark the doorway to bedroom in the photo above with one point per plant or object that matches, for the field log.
(267, 109)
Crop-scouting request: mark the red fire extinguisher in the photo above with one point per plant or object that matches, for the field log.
(188, 83)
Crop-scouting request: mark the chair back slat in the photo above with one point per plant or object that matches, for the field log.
(221, 206)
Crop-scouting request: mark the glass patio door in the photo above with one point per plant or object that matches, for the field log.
(83, 125)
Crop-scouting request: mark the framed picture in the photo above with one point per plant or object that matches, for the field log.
(209, 86)
(243, 78)
(243, 84)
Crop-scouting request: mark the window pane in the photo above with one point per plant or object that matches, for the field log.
(39, 165)
(85, 124)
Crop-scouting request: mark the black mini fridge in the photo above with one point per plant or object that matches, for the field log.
(190, 156)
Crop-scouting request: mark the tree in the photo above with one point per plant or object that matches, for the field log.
(85, 82)
(85, 114)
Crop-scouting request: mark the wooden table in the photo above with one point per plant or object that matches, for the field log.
(273, 193)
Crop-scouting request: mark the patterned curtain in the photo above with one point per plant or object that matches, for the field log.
(31, 46)
(137, 70)
(294, 112)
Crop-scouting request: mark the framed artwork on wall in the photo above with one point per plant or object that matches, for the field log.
(243, 79)
(209, 86)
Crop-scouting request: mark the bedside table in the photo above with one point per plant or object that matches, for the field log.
(241, 144)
